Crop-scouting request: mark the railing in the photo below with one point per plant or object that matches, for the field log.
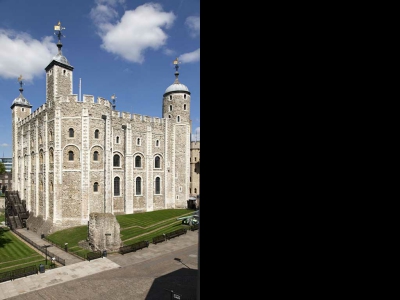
(18, 273)
(40, 248)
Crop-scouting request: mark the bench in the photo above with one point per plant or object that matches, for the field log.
(133, 247)
(94, 255)
(158, 239)
(175, 233)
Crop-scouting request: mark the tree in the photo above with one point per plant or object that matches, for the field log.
(2, 168)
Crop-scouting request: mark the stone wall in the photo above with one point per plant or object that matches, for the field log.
(104, 232)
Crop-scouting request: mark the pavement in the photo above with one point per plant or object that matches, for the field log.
(167, 270)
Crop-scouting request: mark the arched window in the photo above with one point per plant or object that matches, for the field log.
(178, 118)
(70, 155)
(116, 186)
(138, 186)
(157, 164)
(51, 156)
(95, 155)
(117, 140)
(71, 132)
(184, 106)
(96, 187)
(51, 136)
(41, 157)
(158, 186)
(96, 134)
(116, 160)
(138, 161)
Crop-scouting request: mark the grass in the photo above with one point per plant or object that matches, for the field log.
(133, 228)
(15, 254)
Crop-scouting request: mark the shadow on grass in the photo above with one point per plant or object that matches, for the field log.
(3, 239)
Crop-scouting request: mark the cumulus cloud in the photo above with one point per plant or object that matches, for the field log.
(20, 54)
(190, 57)
(193, 24)
(137, 31)
(196, 135)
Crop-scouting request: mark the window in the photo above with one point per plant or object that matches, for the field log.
(116, 160)
(170, 97)
(96, 134)
(178, 118)
(71, 132)
(170, 108)
(158, 186)
(157, 162)
(95, 155)
(117, 140)
(138, 186)
(184, 96)
(116, 186)
(70, 155)
(22, 109)
(40, 139)
(51, 156)
(184, 106)
(41, 158)
(51, 136)
(157, 143)
(169, 116)
(138, 141)
(195, 190)
(138, 161)
(96, 187)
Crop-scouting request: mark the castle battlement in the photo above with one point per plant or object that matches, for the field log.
(100, 101)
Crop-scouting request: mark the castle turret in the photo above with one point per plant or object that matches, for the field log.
(20, 108)
(176, 100)
(58, 72)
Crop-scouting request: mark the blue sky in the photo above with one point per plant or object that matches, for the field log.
(121, 47)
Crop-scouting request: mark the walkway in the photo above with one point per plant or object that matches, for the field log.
(145, 265)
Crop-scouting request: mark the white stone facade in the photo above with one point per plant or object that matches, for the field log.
(72, 158)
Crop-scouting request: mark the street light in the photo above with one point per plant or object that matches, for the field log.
(66, 247)
(46, 246)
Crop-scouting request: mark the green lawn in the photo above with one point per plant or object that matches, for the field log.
(15, 254)
(135, 227)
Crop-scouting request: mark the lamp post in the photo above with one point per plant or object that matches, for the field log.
(46, 246)
(66, 247)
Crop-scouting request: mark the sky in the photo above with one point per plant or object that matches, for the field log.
(124, 48)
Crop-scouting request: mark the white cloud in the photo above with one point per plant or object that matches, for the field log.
(193, 24)
(4, 145)
(190, 57)
(20, 54)
(196, 135)
(137, 31)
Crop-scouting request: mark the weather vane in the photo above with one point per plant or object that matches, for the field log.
(59, 34)
(113, 99)
(176, 63)
(20, 80)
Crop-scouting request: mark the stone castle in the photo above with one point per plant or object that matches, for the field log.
(72, 158)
